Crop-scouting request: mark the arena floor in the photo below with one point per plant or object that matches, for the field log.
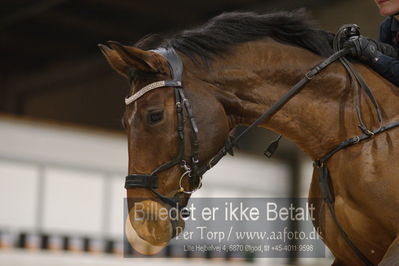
(36, 258)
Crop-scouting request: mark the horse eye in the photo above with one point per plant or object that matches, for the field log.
(155, 117)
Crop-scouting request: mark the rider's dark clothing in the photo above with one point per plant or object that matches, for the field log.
(387, 66)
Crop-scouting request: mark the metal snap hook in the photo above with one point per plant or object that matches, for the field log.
(185, 167)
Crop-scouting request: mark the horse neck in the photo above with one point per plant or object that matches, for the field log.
(257, 74)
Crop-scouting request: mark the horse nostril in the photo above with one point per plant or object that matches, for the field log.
(185, 213)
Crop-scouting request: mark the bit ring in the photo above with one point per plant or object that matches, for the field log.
(181, 189)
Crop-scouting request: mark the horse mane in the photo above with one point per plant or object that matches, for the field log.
(219, 34)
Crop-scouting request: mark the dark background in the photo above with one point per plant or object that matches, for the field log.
(51, 67)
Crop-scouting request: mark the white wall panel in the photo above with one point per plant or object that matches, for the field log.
(63, 145)
(73, 201)
(250, 175)
(306, 177)
(18, 195)
(117, 199)
(84, 177)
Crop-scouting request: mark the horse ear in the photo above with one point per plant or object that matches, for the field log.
(113, 58)
(122, 58)
(137, 58)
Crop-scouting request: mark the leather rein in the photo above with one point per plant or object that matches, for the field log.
(192, 169)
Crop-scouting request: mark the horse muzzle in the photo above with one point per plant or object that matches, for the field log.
(155, 223)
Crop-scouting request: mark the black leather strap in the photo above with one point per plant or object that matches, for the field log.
(354, 140)
(142, 181)
(173, 83)
(324, 183)
(325, 187)
(172, 202)
(175, 63)
(356, 76)
(195, 178)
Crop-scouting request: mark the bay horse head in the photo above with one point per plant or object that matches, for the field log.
(166, 149)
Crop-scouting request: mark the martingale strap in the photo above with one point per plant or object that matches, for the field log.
(324, 182)
(354, 140)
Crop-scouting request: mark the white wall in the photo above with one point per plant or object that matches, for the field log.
(18, 199)
(61, 179)
(69, 180)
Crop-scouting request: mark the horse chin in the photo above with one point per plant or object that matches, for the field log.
(152, 224)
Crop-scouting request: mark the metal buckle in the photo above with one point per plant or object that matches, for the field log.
(318, 164)
(370, 133)
(210, 163)
(185, 167)
(357, 139)
(309, 75)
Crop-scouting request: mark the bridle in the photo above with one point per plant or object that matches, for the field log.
(192, 169)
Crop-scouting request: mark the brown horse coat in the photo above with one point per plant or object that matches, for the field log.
(236, 88)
